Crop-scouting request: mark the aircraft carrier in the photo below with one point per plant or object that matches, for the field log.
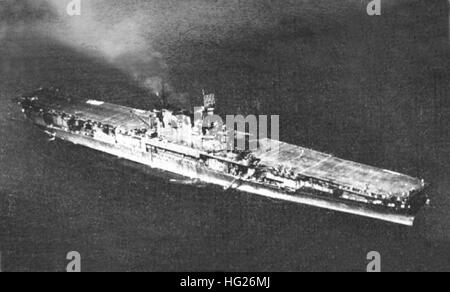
(173, 141)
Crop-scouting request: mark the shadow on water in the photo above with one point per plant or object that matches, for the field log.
(57, 197)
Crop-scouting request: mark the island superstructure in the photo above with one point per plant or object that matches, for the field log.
(173, 141)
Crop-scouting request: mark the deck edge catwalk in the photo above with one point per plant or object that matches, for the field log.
(173, 141)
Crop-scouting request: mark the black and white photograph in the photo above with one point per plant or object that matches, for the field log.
(247, 137)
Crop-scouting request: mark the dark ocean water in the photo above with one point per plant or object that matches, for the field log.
(374, 90)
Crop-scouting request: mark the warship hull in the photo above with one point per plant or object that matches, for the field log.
(275, 170)
(194, 171)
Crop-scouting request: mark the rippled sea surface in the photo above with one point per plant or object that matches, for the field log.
(373, 90)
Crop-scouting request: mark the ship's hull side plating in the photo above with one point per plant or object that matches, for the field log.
(171, 142)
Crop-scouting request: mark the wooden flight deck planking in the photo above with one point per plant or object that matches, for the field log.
(323, 166)
(272, 153)
(105, 113)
